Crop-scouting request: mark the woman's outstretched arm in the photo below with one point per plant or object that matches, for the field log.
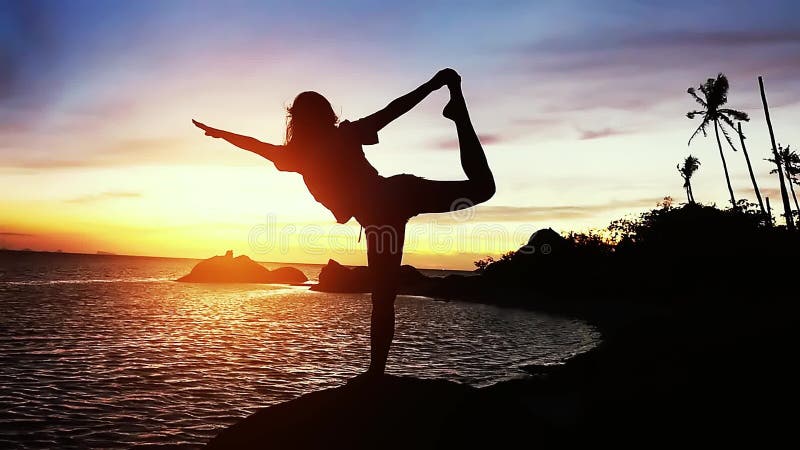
(269, 151)
(404, 104)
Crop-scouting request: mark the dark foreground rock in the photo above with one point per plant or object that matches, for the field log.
(227, 269)
(393, 412)
(686, 375)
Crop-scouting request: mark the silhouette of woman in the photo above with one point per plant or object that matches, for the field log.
(338, 175)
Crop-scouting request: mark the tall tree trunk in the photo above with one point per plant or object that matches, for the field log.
(691, 193)
(787, 209)
(769, 213)
(750, 168)
(791, 186)
(724, 165)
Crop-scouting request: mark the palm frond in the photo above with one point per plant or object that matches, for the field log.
(791, 156)
(728, 122)
(735, 114)
(692, 114)
(701, 128)
(774, 160)
(725, 133)
(791, 162)
(691, 91)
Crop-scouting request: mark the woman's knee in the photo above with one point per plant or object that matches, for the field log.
(483, 190)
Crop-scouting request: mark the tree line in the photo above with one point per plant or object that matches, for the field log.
(712, 96)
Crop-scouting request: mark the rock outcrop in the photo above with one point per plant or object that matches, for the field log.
(227, 269)
(335, 277)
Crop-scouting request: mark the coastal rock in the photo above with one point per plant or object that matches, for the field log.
(544, 242)
(392, 412)
(227, 269)
(335, 277)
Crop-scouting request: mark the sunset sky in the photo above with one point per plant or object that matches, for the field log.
(580, 104)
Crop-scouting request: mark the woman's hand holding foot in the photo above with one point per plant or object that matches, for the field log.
(445, 77)
(456, 108)
(452, 78)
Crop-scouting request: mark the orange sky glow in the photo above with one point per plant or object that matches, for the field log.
(581, 124)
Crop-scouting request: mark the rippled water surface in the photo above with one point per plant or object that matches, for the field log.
(106, 351)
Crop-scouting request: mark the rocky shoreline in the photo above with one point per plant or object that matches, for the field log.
(683, 358)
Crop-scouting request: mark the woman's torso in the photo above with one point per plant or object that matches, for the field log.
(339, 176)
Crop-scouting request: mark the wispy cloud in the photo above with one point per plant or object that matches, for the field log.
(110, 195)
(486, 139)
(634, 69)
(601, 133)
(649, 40)
(537, 213)
(516, 214)
(11, 234)
(774, 195)
(115, 153)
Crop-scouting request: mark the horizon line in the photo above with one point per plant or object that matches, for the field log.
(102, 253)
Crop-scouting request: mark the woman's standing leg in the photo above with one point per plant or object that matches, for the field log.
(384, 256)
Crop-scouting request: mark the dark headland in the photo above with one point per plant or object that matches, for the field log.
(697, 307)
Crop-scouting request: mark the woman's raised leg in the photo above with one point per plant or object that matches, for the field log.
(444, 196)
(473, 159)
(384, 256)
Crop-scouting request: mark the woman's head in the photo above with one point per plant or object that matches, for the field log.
(309, 116)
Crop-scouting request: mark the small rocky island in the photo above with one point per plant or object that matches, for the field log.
(241, 269)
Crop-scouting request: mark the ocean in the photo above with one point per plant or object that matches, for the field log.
(108, 351)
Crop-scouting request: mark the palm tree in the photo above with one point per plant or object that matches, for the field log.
(790, 161)
(690, 166)
(715, 95)
(787, 208)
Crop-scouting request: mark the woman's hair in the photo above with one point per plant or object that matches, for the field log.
(310, 115)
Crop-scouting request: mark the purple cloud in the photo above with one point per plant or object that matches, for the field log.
(486, 139)
(601, 133)
(618, 40)
(636, 69)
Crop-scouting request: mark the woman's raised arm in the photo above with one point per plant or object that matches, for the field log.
(269, 151)
(404, 104)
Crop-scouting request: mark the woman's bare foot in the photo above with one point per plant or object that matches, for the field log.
(456, 108)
